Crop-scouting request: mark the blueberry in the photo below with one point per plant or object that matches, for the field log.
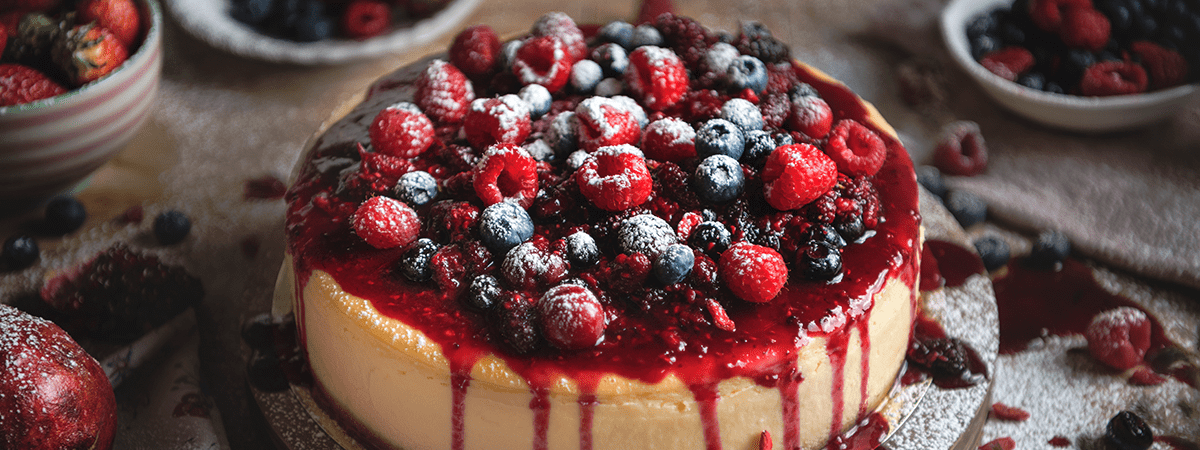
(582, 251)
(759, 145)
(819, 260)
(747, 72)
(993, 251)
(250, 12)
(504, 225)
(617, 32)
(171, 227)
(64, 214)
(19, 252)
(710, 237)
(851, 228)
(563, 135)
(720, 137)
(1050, 249)
(585, 75)
(718, 179)
(1032, 80)
(483, 293)
(539, 99)
(415, 262)
(416, 188)
(645, 34)
(673, 264)
(1127, 431)
(826, 233)
(931, 179)
(966, 207)
(646, 234)
(613, 59)
(743, 114)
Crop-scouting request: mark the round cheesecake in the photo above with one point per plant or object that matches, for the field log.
(435, 325)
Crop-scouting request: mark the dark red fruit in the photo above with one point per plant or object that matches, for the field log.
(961, 150)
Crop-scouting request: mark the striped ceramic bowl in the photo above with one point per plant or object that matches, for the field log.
(51, 146)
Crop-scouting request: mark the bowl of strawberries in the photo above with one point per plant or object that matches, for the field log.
(77, 81)
(1079, 65)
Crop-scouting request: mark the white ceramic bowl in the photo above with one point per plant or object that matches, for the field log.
(52, 145)
(209, 20)
(1069, 112)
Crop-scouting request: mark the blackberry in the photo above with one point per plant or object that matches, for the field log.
(415, 263)
(483, 293)
(819, 260)
(64, 214)
(1050, 249)
(710, 237)
(171, 227)
(993, 251)
(19, 252)
(1127, 431)
(756, 40)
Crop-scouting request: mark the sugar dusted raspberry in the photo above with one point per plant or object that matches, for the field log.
(1084, 28)
(475, 50)
(1048, 14)
(1119, 337)
(754, 273)
(561, 26)
(856, 149)
(656, 76)
(401, 130)
(444, 93)
(386, 222)
(1113, 78)
(497, 120)
(506, 173)
(811, 115)
(529, 265)
(669, 139)
(543, 60)
(615, 178)
(797, 174)
(1008, 62)
(604, 122)
(1166, 68)
(571, 317)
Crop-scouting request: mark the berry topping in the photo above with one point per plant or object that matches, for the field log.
(856, 149)
(743, 114)
(615, 178)
(497, 120)
(1127, 431)
(810, 115)
(673, 264)
(23, 84)
(19, 252)
(993, 251)
(1119, 337)
(529, 265)
(754, 273)
(1008, 62)
(401, 130)
(819, 260)
(1113, 78)
(617, 32)
(363, 19)
(64, 214)
(444, 93)
(582, 251)
(795, 175)
(416, 262)
(646, 234)
(506, 173)
(571, 317)
(606, 121)
(718, 179)
(710, 237)
(475, 50)
(483, 293)
(720, 137)
(1050, 249)
(171, 227)
(1166, 68)
(504, 225)
(656, 76)
(1084, 28)
(967, 208)
(669, 139)
(585, 75)
(961, 149)
(746, 72)
(561, 26)
(543, 60)
(386, 222)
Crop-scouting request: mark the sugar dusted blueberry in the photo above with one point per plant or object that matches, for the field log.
(645, 34)
(674, 264)
(538, 98)
(582, 251)
(504, 225)
(64, 214)
(416, 188)
(171, 227)
(993, 251)
(585, 75)
(415, 262)
(646, 234)
(711, 237)
(617, 32)
(720, 137)
(19, 252)
(743, 114)
(718, 179)
(483, 293)
(747, 72)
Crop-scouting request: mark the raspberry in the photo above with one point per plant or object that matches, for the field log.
(615, 178)
(497, 120)
(1003, 443)
(386, 222)
(669, 139)
(571, 317)
(604, 122)
(961, 150)
(795, 175)
(1048, 14)
(444, 93)
(1008, 62)
(1166, 68)
(754, 273)
(1009, 413)
(528, 266)
(1113, 78)
(401, 130)
(856, 149)
(543, 60)
(475, 50)
(1119, 337)
(1084, 28)
(561, 26)
(657, 77)
(506, 173)
(363, 19)
(810, 115)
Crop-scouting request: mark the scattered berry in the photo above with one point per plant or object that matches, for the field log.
(415, 263)
(754, 273)
(1050, 249)
(483, 293)
(401, 130)
(1119, 337)
(797, 174)
(993, 251)
(506, 173)
(819, 260)
(497, 120)
(582, 251)
(385, 222)
(64, 214)
(19, 252)
(856, 149)
(656, 76)
(718, 179)
(615, 178)
(811, 115)
(1127, 431)
(746, 72)
(605, 122)
(364, 19)
(171, 227)
(720, 137)
(743, 114)
(416, 188)
(475, 50)
(504, 225)
(669, 139)
(543, 60)
(571, 317)
(966, 207)
(646, 234)
(444, 93)
(1113, 78)
(961, 149)
(710, 237)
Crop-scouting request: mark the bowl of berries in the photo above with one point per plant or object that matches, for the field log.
(318, 32)
(1079, 65)
(77, 81)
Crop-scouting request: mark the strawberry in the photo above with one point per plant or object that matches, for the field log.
(1119, 337)
(797, 174)
(386, 222)
(506, 172)
(1008, 62)
(1048, 14)
(444, 93)
(605, 121)
(1113, 78)
(1085, 28)
(856, 149)
(543, 60)
(364, 19)
(753, 272)
(1167, 68)
(615, 178)
(401, 130)
(497, 120)
(475, 50)
(119, 16)
(23, 84)
(656, 76)
(88, 52)
(669, 139)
